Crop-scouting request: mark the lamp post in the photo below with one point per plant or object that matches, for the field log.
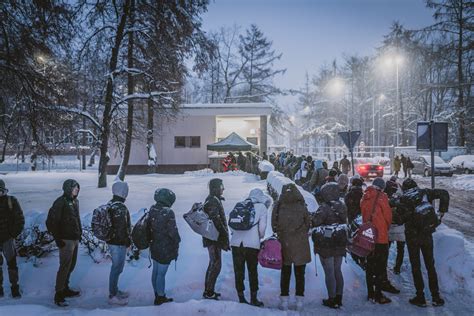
(398, 60)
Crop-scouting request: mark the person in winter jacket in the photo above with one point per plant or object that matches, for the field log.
(241, 161)
(121, 228)
(331, 176)
(12, 223)
(397, 165)
(332, 211)
(164, 241)
(335, 166)
(410, 166)
(64, 223)
(397, 229)
(319, 175)
(246, 245)
(342, 182)
(345, 165)
(419, 239)
(213, 207)
(403, 160)
(291, 222)
(353, 197)
(376, 209)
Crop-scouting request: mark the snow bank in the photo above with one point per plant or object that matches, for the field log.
(265, 166)
(276, 180)
(464, 182)
(202, 172)
(455, 266)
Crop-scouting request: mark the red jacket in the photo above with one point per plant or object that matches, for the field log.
(382, 218)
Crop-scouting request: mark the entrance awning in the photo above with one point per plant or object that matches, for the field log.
(233, 142)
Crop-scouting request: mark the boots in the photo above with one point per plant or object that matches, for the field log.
(418, 300)
(339, 300)
(162, 299)
(70, 293)
(16, 291)
(254, 300)
(283, 303)
(59, 299)
(388, 287)
(331, 303)
(242, 298)
(437, 300)
(1, 291)
(299, 303)
(382, 299)
(211, 295)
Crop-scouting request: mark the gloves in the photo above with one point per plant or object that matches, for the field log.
(60, 243)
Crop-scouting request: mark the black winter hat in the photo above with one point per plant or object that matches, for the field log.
(379, 183)
(409, 184)
(165, 197)
(332, 173)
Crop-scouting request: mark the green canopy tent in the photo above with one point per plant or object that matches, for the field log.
(233, 142)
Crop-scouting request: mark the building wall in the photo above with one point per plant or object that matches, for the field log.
(243, 126)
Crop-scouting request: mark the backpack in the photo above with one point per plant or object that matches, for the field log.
(242, 217)
(101, 223)
(330, 236)
(270, 255)
(425, 218)
(200, 222)
(363, 243)
(140, 233)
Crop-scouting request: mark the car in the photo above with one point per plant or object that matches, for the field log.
(367, 168)
(463, 163)
(422, 165)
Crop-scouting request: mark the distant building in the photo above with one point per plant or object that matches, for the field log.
(181, 144)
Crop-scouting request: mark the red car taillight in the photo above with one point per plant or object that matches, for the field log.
(380, 168)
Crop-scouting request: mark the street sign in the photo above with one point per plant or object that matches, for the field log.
(350, 141)
(423, 136)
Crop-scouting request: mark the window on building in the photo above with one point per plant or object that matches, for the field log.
(195, 141)
(49, 137)
(253, 140)
(179, 142)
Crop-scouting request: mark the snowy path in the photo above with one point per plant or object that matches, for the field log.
(185, 282)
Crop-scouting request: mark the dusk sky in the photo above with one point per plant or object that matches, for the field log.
(310, 33)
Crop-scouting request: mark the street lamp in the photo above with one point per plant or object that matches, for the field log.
(389, 61)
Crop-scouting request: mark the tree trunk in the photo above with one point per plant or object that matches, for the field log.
(461, 132)
(149, 138)
(131, 90)
(107, 115)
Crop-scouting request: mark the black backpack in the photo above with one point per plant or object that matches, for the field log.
(425, 217)
(330, 236)
(242, 217)
(141, 233)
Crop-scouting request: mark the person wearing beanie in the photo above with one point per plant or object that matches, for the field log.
(64, 223)
(165, 239)
(214, 209)
(376, 209)
(331, 176)
(12, 223)
(420, 239)
(121, 229)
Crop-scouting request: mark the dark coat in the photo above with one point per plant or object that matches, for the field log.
(318, 178)
(165, 241)
(12, 221)
(406, 208)
(291, 221)
(121, 225)
(214, 209)
(332, 211)
(352, 200)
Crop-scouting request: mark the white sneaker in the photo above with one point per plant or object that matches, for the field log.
(115, 300)
(122, 294)
(299, 303)
(283, 303)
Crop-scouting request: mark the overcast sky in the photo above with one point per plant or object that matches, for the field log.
(310, 33)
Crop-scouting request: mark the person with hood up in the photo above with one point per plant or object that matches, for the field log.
(291, 222)
(214, 209)
(121, 229)
(331, 211)
(246, 245)
(164, 241)
(64, 223)
(12, 223)
(318, 177)
(420, 240)
(376, 209)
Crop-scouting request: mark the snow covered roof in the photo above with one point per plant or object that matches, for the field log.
(239, 109)
(231, 143)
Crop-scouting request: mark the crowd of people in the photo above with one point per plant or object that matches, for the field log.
(247, 162)
(389, 206)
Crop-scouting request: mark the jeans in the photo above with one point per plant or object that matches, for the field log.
(158, 277)
(333, 275)
(285, 280)
(214, 268)
(118, 254)
(67, 263)
(376, 269)
(425, 246)
(8, 250)
(242, 255)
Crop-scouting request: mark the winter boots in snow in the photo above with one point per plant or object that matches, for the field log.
(242, 299)
(70, 293)
(331, 303)
(339, 300)
(16, 291)
(162, 300)
(388, 287)
(117, 300)
(299, 303)
(284, 303)
(418, 301)
(437, 300)
(60, 300)
(211, 295)
(254, 300)
(382, 299)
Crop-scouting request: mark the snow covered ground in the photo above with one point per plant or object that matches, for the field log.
(37, 191)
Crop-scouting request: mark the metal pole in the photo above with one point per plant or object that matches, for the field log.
(352, 154)
(397, 106)
(432, 147)
(373, 122)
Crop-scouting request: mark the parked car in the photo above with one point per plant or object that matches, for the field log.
(463, 163)
(423, 166)
(367, 168)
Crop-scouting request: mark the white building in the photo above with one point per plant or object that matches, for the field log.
(181, 144)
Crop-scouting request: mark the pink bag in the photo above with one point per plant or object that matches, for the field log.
(364, 240)
(269, 255)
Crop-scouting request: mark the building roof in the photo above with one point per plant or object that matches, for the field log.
(233, 109)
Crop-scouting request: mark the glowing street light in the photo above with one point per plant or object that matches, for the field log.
(389, 61)
(335, 86)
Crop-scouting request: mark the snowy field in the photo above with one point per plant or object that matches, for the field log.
(185, 280)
